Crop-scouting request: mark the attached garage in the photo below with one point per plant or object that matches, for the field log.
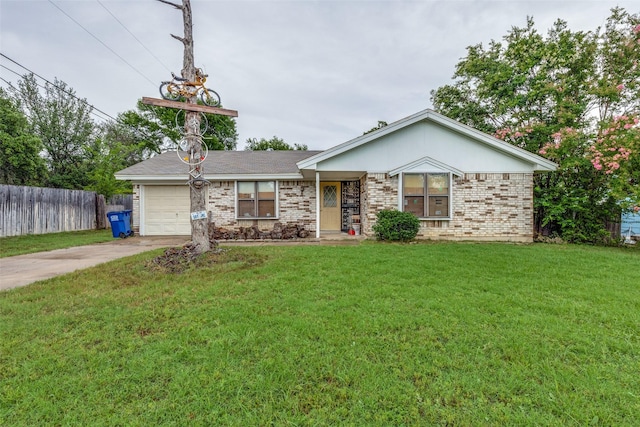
(165, 210)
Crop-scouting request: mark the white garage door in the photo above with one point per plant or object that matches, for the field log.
(166, 210)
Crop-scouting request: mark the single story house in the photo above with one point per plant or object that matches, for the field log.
(461, 183)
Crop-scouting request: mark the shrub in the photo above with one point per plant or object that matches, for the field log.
(395, 225)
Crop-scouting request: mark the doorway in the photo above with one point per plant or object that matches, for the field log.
(330, 206)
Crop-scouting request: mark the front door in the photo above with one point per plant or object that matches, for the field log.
(330, 206)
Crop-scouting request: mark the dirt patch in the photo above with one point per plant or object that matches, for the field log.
(180, 259)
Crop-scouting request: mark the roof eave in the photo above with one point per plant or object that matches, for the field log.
(213, 177)
(540, 163)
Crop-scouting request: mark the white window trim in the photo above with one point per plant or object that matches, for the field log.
(251, 218)
(401, 175)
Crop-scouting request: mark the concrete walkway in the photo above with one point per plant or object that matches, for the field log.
(22, 270)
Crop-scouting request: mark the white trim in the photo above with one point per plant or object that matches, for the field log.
(401, 192)
(426, 161)
(225, 177)
(142, 203)
(276, 200)
(317, 205)
(539, 163)
(449, 216)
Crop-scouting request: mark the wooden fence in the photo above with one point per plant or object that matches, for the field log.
(36, 210)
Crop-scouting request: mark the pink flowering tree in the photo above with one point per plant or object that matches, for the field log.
(615, 153)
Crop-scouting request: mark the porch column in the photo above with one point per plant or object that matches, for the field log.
(317, 205)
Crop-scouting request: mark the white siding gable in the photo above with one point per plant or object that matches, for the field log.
(425, 139)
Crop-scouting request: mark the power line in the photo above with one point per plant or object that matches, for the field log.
(94, 109)
(103, 43)
(52, 84)
(134, 36)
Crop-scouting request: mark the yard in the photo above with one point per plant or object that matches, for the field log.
(376, 334)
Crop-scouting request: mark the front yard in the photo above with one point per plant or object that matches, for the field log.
(375, 334)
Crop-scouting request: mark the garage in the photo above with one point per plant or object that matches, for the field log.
(166, 210)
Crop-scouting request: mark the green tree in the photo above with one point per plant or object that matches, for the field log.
(119, 145)
(63, 124)
(557, 95)
(273, 144)
(20, 161)
(164, 127)
(380, 125)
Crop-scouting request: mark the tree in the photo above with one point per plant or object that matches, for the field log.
(273, 144)
(20, 161)
(193, 138)
(380, 125)
(164, 127)
(560, 96)
(120, 144)
(63, 123)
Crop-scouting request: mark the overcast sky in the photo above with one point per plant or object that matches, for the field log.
(311, 72)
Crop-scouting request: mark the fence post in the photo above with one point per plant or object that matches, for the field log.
(101, 212)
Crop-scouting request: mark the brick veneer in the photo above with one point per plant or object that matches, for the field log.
(296, 205)
(485, 206)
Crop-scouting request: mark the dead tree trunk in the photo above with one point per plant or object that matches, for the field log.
(197, 183)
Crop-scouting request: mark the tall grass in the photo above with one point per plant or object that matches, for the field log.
(425, 334)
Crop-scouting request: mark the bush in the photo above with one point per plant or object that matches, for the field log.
(395, 225)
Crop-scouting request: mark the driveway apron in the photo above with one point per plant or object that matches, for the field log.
(22, 270)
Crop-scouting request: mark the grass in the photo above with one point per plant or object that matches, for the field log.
(32, 243)
(375, 334)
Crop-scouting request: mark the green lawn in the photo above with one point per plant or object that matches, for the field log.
(377, 334)
(32, 243)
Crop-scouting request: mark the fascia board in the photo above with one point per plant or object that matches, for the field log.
(255, 177)
(151, 177)
(228, 177)
(428, 161)
(539, 162)
(311, 162)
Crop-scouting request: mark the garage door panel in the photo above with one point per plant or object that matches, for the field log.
(167, 210)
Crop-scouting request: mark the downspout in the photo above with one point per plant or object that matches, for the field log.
(317, 205)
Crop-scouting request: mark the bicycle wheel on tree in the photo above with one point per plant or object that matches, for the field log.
(170, 91)
(204, 122)
(210, 97)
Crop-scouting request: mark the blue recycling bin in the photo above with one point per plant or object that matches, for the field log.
(120, 223)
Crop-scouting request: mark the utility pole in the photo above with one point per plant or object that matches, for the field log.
(197, 183)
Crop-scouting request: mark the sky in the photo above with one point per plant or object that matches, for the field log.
(314, 72)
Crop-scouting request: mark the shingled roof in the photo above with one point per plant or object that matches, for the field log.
(220, 163)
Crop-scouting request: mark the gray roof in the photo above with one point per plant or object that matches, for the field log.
(222, 163)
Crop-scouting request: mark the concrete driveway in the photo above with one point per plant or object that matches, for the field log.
(22, 270)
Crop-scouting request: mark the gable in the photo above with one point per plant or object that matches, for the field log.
(427, 135)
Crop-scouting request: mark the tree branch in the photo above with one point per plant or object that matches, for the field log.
(177, 6)
(177, 37)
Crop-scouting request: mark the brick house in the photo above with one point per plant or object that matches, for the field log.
(461, 183)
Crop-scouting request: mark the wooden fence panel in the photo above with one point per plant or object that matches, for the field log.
(36, 210)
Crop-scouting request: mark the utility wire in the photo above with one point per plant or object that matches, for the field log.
(145, 134)
(103, 43)
(94, 109)
(134, 36)
(52, 84)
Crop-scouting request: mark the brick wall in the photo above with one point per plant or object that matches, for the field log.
(296, 205)
(484, 207)
(378, 191)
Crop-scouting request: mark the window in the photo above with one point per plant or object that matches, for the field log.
(426, 195)
(256, 199)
